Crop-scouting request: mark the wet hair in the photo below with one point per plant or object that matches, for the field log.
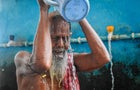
(59, 18)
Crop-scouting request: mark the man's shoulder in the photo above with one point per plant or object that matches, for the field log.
(22, 54)
(21, 57)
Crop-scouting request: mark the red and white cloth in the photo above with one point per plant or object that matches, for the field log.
(71, 81)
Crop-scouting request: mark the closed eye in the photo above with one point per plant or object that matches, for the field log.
(54, 38)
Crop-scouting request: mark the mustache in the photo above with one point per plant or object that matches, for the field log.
(59, 53)
(58, 50)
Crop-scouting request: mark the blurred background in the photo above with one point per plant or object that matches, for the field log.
(19, 19)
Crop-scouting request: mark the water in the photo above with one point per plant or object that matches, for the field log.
(111, 63)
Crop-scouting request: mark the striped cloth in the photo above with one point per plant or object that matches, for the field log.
(71, 81)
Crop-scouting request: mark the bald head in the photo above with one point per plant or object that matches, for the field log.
(59, 25)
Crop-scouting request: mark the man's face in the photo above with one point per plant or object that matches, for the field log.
(60, 35)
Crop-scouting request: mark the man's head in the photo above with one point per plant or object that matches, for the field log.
(60, 35)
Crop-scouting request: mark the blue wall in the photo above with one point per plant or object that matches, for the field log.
(21, 16)
(18, 17)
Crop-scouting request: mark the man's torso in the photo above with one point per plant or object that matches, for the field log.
(35, 81)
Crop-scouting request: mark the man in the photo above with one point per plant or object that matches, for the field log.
(50, 66)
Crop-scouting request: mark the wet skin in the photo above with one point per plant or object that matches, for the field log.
(53, 37)
(60, 37)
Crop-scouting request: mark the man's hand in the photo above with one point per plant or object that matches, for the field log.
(43, 5)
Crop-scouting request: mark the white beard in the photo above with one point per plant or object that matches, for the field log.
(58, 67)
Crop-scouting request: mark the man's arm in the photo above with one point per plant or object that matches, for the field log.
(98, 56)
(40, 60)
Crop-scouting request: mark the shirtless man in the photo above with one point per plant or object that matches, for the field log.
(50, 66)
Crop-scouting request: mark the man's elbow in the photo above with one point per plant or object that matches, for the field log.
(47, 65)
(102, 61)
(40, 64)
(106, 59)
(46, 61)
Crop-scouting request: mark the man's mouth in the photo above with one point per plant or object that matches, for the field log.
(59, 53)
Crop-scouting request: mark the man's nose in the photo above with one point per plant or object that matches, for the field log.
(60, 43)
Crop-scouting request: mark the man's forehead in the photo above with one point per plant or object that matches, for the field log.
(60, 29)
(61, 33)
(64, 32)
(60, 24)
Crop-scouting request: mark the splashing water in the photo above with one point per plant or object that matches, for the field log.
(111, 63)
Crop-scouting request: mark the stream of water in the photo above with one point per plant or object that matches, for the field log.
(111, 63)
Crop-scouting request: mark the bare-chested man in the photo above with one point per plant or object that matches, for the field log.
(50, 66)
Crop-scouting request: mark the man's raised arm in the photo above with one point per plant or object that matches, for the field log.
(98, 56)
(42, 48)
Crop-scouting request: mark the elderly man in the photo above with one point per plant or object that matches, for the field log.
(50, 66)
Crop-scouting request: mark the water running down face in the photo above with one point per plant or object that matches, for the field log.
(60, 35)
